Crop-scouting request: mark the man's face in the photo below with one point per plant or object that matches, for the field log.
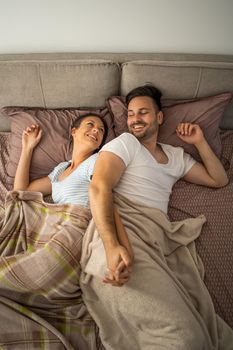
(143, 117)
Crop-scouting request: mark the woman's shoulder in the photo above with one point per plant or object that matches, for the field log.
(58, 170)
(61, 166)
(92, 158)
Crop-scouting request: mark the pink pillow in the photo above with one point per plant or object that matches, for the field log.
(56, 143)
(206, 111)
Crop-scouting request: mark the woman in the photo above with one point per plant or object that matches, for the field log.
(88, 134)
(69, 181)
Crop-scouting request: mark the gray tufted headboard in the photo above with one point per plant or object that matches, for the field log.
(86, 80)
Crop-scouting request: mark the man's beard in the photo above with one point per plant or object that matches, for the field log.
(144, 134)
(139, 135)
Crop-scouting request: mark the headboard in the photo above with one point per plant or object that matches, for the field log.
(87, 79)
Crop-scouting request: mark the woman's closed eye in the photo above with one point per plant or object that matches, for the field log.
(92, 125)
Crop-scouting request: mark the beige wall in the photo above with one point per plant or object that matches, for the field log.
(185, 26)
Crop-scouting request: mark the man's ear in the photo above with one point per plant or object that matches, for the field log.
(160, 117)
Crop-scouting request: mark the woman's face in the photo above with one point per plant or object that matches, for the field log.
(91, 132)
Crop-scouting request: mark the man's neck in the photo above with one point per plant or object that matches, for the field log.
(156, 150)
(150, 144)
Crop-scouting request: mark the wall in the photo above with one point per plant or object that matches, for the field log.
(185, 26)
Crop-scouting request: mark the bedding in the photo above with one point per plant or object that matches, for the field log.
(165, 304)
(66, 85)
(4, 158)
(214, 245)
(40, 298)
(56, 144)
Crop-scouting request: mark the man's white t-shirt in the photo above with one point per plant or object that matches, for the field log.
(145, 180)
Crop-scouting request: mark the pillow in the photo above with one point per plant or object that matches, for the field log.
(56, 143)
(206, 111)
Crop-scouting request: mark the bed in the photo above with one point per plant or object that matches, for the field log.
(54, 90)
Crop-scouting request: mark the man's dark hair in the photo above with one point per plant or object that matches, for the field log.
(79, 120)
(145, 90)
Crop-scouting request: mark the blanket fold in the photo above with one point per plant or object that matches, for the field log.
(165, 305)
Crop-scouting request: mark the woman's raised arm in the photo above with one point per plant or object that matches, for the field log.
(30, 138)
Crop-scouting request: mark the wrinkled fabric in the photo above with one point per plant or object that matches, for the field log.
(40, 298)
(165, 304)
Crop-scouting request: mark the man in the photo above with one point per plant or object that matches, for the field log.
(137, 167)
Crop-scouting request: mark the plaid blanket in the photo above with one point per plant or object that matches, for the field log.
(40, 299)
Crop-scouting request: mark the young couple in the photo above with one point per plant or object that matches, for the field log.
(134, 165)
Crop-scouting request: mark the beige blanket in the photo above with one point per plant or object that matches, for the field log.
(165, 305)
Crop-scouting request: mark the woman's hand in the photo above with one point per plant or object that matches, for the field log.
(119, 264)
(31, 137)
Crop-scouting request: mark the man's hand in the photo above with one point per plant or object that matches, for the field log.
(31, 137)
(211, 173)
(119, 263)
(190, 133)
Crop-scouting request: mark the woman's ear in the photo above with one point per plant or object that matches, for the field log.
(73, 131)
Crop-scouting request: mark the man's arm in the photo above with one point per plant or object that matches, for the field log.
(108, 171)
(121, 233)
(211, 173)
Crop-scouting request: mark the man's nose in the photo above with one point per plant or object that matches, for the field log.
(136, 118)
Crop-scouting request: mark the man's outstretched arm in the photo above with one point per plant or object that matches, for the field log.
(108, 171)
(211, 173)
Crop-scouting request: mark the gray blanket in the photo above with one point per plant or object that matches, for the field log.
(165, 305)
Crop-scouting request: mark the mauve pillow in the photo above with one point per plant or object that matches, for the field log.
(56, 143)
(206, 111)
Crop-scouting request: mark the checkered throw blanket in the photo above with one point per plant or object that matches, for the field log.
(40, 299)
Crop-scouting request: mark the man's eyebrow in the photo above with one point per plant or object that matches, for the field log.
(139, 109)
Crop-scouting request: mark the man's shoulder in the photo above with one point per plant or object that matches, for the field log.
(125, 146)
(174, 149)
(177, 153)
(126, 137)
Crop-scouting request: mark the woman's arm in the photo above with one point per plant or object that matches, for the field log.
(30, 139)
